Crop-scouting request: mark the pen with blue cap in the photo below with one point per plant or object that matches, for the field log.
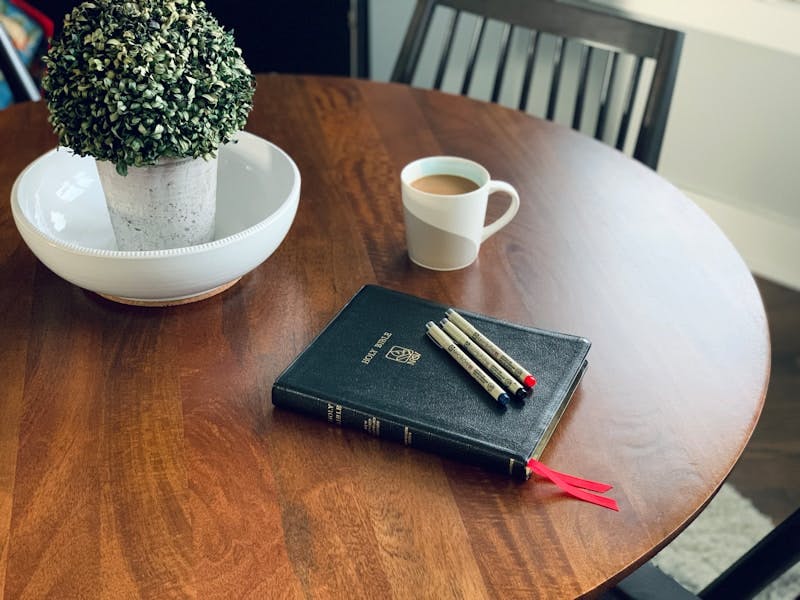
(495, 369)
(444, 341)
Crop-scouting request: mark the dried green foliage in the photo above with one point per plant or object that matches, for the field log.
(131, 82)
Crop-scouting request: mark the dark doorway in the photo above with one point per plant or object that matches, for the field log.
(307, 36)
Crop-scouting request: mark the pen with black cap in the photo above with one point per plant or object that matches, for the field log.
(494, 368)
(444, 341)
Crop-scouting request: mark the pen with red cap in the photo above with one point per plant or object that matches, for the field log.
(508, 363)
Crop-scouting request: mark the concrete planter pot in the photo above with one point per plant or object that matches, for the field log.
(171, 204)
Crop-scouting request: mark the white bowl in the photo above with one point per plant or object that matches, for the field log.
(60, 211)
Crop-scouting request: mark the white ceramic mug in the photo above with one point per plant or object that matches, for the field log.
(444, 231)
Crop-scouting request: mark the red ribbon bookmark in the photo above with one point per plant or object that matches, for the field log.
(575, 486)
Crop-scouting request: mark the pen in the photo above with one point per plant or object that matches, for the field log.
(441, 339)
(501, 357)
(502, 376)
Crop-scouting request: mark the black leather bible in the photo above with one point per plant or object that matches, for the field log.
(374, 368)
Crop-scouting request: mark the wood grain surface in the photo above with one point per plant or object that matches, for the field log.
(140, 455)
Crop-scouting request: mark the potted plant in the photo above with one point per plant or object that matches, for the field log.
(151, 89)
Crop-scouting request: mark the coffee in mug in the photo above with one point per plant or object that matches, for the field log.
(447, 185)
(444, 205)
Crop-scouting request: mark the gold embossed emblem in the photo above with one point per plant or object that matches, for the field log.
(403, 355)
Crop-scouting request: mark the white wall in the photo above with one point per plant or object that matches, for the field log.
(732, 145)
(732, 139)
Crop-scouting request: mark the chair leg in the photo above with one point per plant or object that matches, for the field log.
(648, 582)
(764, 563)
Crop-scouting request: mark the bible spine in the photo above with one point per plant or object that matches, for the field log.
(389, 429)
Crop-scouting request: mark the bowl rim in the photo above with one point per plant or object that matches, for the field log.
(21, 218)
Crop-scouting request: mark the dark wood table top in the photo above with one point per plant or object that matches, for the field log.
(140, 455)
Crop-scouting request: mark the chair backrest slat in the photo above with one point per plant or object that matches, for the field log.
(410, 51)
(630, 98)
(447, 48)
(606, 92)
(555, 78)
(593, 32)
(530, 62)
(472, 54)
(583, 77)
(505, 42)
(654, 120)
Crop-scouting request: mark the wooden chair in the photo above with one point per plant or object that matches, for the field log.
(613, 52)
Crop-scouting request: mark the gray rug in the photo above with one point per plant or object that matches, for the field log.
(728, 527)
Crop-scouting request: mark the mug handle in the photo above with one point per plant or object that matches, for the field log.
(503, 220)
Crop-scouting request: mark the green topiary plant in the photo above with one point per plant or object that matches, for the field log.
(132, 82)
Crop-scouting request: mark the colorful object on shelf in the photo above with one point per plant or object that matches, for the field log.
(29, 30)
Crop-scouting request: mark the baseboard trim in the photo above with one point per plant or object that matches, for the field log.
(769, 246)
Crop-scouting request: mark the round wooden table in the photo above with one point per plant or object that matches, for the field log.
(140, 455)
